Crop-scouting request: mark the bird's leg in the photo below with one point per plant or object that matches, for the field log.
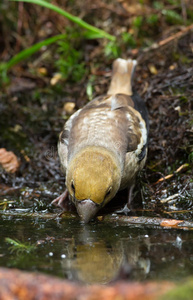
(130, 195)
(126, 209)
(61, 200)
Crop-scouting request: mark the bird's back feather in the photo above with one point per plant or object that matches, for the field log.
(117, 122)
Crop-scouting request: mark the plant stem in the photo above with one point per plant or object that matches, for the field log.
(75, 19)
(29, 51)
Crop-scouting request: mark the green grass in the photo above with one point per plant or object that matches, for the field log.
(70, 58)
(19, 247)
(91, 32)
(4, 67)
(96, 32)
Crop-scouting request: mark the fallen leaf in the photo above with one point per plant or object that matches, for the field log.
(43, 71)
(55, 79)
(170, 223)
(9, 161)
(152, 69)
(69, 108)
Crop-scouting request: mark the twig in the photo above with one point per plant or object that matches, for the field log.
(170, 198)
(171, 38)
(147, 221)
(114, 218)
(171, 175)
(166, 41)
(19, 213)
(183, 211)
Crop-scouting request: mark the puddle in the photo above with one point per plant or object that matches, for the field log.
(95, 253)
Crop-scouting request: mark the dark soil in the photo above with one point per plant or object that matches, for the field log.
(32, 113)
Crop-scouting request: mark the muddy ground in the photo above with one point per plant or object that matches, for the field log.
(33, 109)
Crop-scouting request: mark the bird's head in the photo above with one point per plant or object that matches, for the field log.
(93, 178)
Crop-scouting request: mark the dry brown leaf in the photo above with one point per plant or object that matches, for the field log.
(9, 161)
(135, 8)
(170, 223)
(69, 108)
(55, 79)
(43, 71)
(152, 69)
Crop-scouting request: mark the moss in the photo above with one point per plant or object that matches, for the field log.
(182, 292)
(181, 58)
(172, 17)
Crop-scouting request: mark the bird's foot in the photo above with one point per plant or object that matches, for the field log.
(125, 210)
(62, 200)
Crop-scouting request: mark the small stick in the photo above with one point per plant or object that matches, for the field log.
(183, 211)
(171, 175)
(170, 198)
(166, 41)
(172, 37)
(147, 221)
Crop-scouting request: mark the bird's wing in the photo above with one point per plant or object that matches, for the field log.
(137, 127)
(64, 141)
(136, 119)
(134, 107)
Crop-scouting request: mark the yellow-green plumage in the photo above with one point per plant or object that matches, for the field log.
(104, 145)
(94, 172)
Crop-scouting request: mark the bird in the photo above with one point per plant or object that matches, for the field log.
(103, 146)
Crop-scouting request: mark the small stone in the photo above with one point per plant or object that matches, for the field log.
(55, 79)
(69, 107)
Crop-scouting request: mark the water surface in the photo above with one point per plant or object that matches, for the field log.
(95, 253)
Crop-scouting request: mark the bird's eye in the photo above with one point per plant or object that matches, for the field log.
(108, 192)
(72, 186)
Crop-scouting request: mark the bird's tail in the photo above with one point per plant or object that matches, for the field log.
(121, 82)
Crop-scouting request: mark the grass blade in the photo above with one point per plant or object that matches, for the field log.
(98, 32)
(29, 51)
(20, 247)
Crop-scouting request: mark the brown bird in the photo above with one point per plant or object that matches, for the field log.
(103, 146)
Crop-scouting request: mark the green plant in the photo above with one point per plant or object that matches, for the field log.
(96, 31)
(158, 5)
(128, 39)
(174, 2)
(70, 62)
(152, 19)
(190, 157)
(91, 32)
(4, 67)
(137, 22)
(89, 87)
(112, 50)
(19, 247)
(172, 17)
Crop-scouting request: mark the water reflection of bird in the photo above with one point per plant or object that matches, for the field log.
(96, 263)
(92, 257)
(103, 146)
(100, 257)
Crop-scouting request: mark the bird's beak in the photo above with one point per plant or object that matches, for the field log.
(86, 209)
